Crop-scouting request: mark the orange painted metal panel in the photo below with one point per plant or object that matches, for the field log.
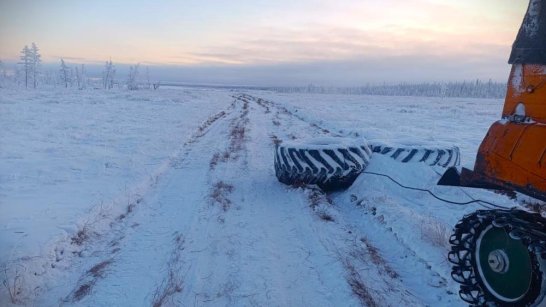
(527, 85)
(512, 155)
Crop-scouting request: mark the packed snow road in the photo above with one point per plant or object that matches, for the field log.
(214, 227)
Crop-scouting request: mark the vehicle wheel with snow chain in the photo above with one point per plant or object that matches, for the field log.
(499, 258)
(330, 163)
(444, 157)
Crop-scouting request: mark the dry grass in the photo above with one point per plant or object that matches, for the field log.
(214, 161)
(129, 209)
(323, 130)
(319, 203)
(173, 283)
(316, 197)
(435, 232)
(534, 205)
(299, 184)
(238, 130)
(367, 254)
(358, 286)
(81, 292)
(237, 139)
(264, 104)
(325, 216)
(275, 140)
(508, 193)
(201, 129)
(88, 281)
(172, 286)
(99, 269)
(378, 259)
(81, 236)
(14, 284)
(219, 194)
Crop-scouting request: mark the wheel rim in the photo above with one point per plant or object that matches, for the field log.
(504, 264)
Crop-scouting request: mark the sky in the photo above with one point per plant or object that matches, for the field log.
(281, 42)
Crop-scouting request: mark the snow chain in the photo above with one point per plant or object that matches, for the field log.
(530, 228)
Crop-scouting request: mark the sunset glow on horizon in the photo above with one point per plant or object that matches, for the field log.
(250, 32)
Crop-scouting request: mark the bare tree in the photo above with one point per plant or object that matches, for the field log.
(49, 77)
(35, 63)
(148, 84)
(2, 74)
(132, 83)
(108, 75)
(83, 77)
(78, 77)
(64, 73)
(26, 62)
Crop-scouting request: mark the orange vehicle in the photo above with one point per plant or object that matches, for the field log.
(499, 255)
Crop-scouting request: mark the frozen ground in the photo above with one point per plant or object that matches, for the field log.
(400, 120)
(169, 197)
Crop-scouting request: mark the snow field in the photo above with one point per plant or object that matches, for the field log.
(75, 160)
(431, 121)
(208, 223)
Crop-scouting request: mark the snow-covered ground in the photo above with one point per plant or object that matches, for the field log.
(400, 120)
(169, 197)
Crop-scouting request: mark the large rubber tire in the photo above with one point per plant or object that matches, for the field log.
(444, 157)
(330, 163)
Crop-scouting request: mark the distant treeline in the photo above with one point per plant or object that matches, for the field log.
(473, 89)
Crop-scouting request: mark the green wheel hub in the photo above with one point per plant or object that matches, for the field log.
(504, 264)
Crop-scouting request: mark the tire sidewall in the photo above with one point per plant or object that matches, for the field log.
(312, 168)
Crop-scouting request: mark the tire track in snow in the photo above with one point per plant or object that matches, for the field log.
(211, 235)
(370, 275)
(266, 249)
(280, 109)
(279, 227)
(422, 278)
(172, 286)
(320, 204)
(102, 246)
(87, 281)
(363, 250)
(237, 139)
(262, 250)
(173, 283)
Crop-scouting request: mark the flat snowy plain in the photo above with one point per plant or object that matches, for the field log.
(169, 197)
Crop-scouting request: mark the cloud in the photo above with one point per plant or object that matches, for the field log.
(349, 72)
(294, 39)
(331, 43)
